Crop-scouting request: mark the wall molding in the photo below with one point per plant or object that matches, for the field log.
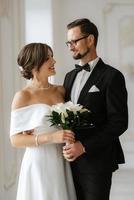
(11, 39)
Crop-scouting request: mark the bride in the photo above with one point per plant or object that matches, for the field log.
(44, 174)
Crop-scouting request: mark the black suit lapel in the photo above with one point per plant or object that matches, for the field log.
(68, 83)
(92, 80)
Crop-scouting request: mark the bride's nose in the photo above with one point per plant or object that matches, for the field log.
(54, 61)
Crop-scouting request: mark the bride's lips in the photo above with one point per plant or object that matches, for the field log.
(52, 68)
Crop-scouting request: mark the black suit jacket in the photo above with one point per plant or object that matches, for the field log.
(109, 114)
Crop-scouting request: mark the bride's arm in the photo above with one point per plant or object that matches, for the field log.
(22, 140)
(25, 140)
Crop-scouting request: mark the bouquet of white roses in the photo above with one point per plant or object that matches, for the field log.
(69, 116)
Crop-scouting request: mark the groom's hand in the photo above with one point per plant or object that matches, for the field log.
(73, 151)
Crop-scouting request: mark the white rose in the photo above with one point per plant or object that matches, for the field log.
(57, 108)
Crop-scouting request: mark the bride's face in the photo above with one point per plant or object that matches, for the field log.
(47, 69)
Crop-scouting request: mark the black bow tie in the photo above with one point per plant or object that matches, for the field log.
(85, 67)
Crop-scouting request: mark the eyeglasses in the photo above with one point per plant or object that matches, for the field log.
(74, 42)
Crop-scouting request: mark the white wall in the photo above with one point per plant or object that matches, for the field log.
(38, 21)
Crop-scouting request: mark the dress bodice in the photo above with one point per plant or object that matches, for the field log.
(30, 117)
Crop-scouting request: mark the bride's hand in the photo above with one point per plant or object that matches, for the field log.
(63, 136)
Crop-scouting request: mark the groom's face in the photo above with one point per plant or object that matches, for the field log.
(77, 43)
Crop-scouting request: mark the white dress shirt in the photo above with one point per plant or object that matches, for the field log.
(80, 81)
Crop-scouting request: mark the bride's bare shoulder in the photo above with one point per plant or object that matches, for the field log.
(21, 99)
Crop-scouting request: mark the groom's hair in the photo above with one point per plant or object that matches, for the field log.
(86, 27)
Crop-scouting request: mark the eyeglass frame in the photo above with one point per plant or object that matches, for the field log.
(74, 42)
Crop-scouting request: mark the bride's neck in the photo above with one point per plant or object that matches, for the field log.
(40, 84)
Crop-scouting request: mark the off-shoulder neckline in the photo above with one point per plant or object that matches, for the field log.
(31, 105)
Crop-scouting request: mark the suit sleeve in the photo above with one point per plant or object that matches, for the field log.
(117, 116)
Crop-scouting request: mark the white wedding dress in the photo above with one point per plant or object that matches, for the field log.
(44, 174)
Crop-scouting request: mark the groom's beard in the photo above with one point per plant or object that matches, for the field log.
(79, 55)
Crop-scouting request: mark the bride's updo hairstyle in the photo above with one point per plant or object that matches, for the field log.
(32, 56)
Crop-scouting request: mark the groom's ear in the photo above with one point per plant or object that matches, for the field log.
(91, 40)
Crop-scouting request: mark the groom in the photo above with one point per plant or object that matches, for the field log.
(101, 88)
